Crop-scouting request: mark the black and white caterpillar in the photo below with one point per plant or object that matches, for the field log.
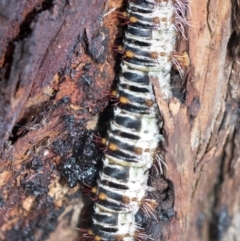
(134, 133)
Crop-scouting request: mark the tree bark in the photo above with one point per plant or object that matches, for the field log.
(57, 68)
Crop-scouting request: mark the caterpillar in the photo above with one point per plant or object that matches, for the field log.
(134, 133)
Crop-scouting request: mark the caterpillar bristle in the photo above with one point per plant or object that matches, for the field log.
(148, 206)
(118, 49)
(100, 142)
(159, 163)
(86, 234)
(140, 235)
(88, 191)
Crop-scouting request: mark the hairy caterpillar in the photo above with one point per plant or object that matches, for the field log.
(134, 133)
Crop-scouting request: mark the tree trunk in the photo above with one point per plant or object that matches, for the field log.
(57, 68)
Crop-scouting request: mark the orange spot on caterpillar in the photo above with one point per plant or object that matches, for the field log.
(112, 96)
(154, 55)
(123, 100)
(97, 238)
(89, 191)
(100, 142)
(138, 150)
(134, 199)
(90, 232)
(118, 100)
(156, 20)
(102, 196)
(129, 54)
(113, 147)
(114, 93)
(126, 200)
(119, 237)
(115, 100)
(128, 19)
(149, 103)
(118, 49)
(164, 19)
(133, 19)
(104, 141)
(94, 190)
(122, 14)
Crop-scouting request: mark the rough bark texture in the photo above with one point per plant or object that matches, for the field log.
(57, 67)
